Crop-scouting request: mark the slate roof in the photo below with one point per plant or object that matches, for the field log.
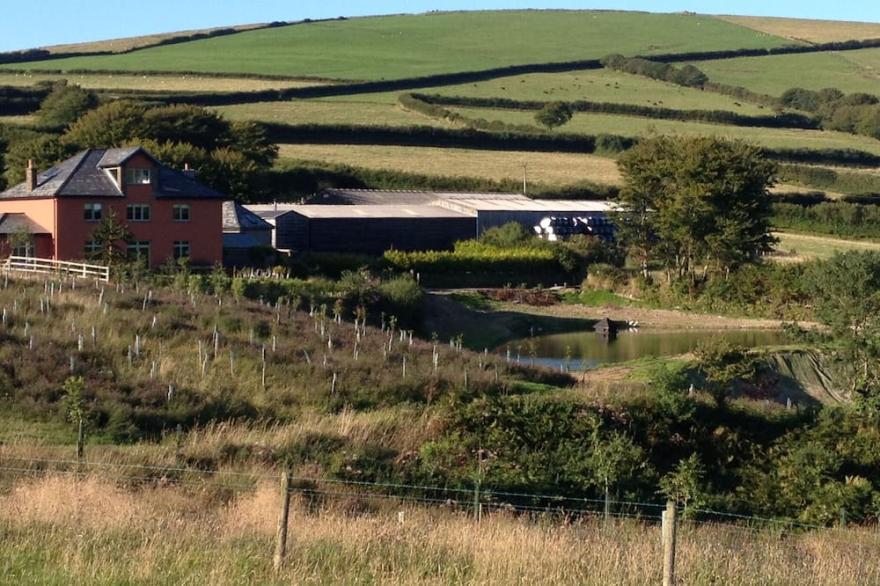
(85, 174)
(237, 218)
(16, 222)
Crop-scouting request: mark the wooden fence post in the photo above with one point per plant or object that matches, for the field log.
(80, 441)
(281, 538)
(668, 534)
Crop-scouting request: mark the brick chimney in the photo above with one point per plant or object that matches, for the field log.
(30, 175)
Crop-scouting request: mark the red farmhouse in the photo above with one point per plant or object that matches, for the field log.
(169, 213)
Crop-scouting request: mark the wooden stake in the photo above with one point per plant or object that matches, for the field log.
(668, 532)
(281, 537)
(80, 441)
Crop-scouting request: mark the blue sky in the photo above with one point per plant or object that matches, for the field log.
(47, 22)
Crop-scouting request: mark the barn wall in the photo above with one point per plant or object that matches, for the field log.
(376, 235)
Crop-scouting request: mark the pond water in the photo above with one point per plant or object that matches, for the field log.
(587, 349)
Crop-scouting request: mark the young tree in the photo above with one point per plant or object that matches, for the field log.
(554, 114)
(613, 459)
(685, 484)
(111, 236)
(75, 407)
(695, 202)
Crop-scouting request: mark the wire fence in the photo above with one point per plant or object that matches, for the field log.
(475, 498)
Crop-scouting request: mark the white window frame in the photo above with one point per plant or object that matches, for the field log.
(138, 212)
(138, 176)
(177, 210)
(178, 247)
(138, 249)
(91, 248)
(93, 212)
(26, 250)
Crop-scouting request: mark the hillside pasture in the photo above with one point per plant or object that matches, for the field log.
(170, 83)
(392, 47)
(811, 31)
(350, 110)
(599, 85)
(552, 168)
(848, 71)
(589, 123)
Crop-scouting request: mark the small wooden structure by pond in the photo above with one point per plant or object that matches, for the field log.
(605, 327)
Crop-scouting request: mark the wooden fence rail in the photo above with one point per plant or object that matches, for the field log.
(46, 266)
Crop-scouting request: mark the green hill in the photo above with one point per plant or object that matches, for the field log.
(392, 47)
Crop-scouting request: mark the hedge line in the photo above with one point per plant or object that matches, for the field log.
(787, 120)
(293, 179)
(838, 218)
(823, 178)
(474, 257)
(438, 137)
(21, 100)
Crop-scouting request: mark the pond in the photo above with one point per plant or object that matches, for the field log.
(586, 349)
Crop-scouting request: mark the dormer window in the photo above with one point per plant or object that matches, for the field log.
(138, 176)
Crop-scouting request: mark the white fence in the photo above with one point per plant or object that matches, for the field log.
(29, 264)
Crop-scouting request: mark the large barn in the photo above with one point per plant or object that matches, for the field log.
(373, 221)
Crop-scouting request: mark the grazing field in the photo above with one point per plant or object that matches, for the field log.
(813, 31)
(848, 71)
(599, 85)
(177, 83)
(348, 110)
(552, 168)
(633, 126)
(801, 247)
(59, 530)
(392, 47)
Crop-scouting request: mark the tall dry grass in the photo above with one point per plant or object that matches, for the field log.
(67, 530)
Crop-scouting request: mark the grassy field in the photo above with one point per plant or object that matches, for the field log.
(800, 247)
(552, 168)
(24, 119)
(348, 110)
(848, 71)
(181, 83)
(413, 45)
(813, 31)
(633, 126)
(58, 530)
(600, 85)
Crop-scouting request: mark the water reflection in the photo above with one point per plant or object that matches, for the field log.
(581, 350)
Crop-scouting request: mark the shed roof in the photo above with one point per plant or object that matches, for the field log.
(237, 218)
(12, 223)
(356, 211)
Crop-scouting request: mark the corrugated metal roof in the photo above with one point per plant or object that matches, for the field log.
(524, 204)
(272, 211)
